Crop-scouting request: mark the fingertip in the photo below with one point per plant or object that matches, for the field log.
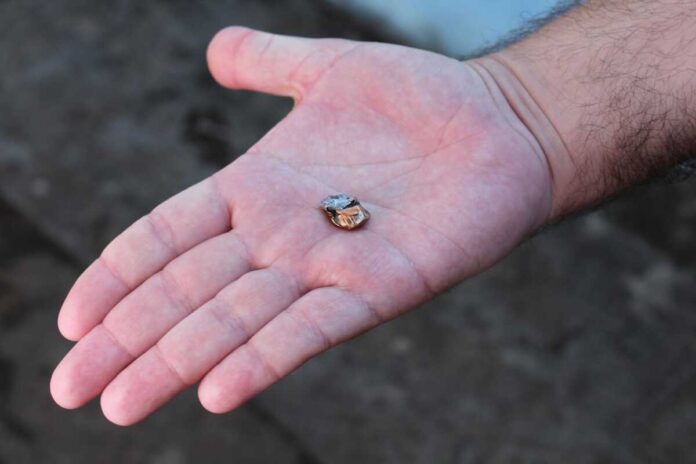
(92, 296)
(227, 387)
(140, 389)
(221, 53)
(114, 405)
(63, 389)
(214, 397)
(67, 325)
(87, 369)
(72, 317)
(209, 397)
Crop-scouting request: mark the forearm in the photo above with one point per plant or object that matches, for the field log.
(609, 92)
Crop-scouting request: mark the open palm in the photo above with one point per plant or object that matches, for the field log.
(241, 278)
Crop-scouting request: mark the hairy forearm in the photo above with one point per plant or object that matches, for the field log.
(609, 91)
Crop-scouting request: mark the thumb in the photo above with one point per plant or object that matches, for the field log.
(242, 58)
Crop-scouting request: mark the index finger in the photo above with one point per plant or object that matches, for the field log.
(175, 226)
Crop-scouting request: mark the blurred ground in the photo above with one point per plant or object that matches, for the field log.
(578, 348)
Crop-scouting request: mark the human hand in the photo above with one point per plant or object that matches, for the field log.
(241, 278)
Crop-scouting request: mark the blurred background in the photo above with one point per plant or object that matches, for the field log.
(578, 348)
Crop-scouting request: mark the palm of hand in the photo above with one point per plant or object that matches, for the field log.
(240, 279)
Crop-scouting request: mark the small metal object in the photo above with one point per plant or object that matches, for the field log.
(344, 211)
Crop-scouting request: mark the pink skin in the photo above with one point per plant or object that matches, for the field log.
(240, 279)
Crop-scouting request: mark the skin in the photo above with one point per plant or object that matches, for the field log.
(240, 279)
(609, 92)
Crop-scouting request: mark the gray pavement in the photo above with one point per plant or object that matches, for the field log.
(578, 348)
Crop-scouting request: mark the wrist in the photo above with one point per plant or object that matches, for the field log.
(517, 81)
(608, 92)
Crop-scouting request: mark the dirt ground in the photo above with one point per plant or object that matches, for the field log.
(579, 348)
